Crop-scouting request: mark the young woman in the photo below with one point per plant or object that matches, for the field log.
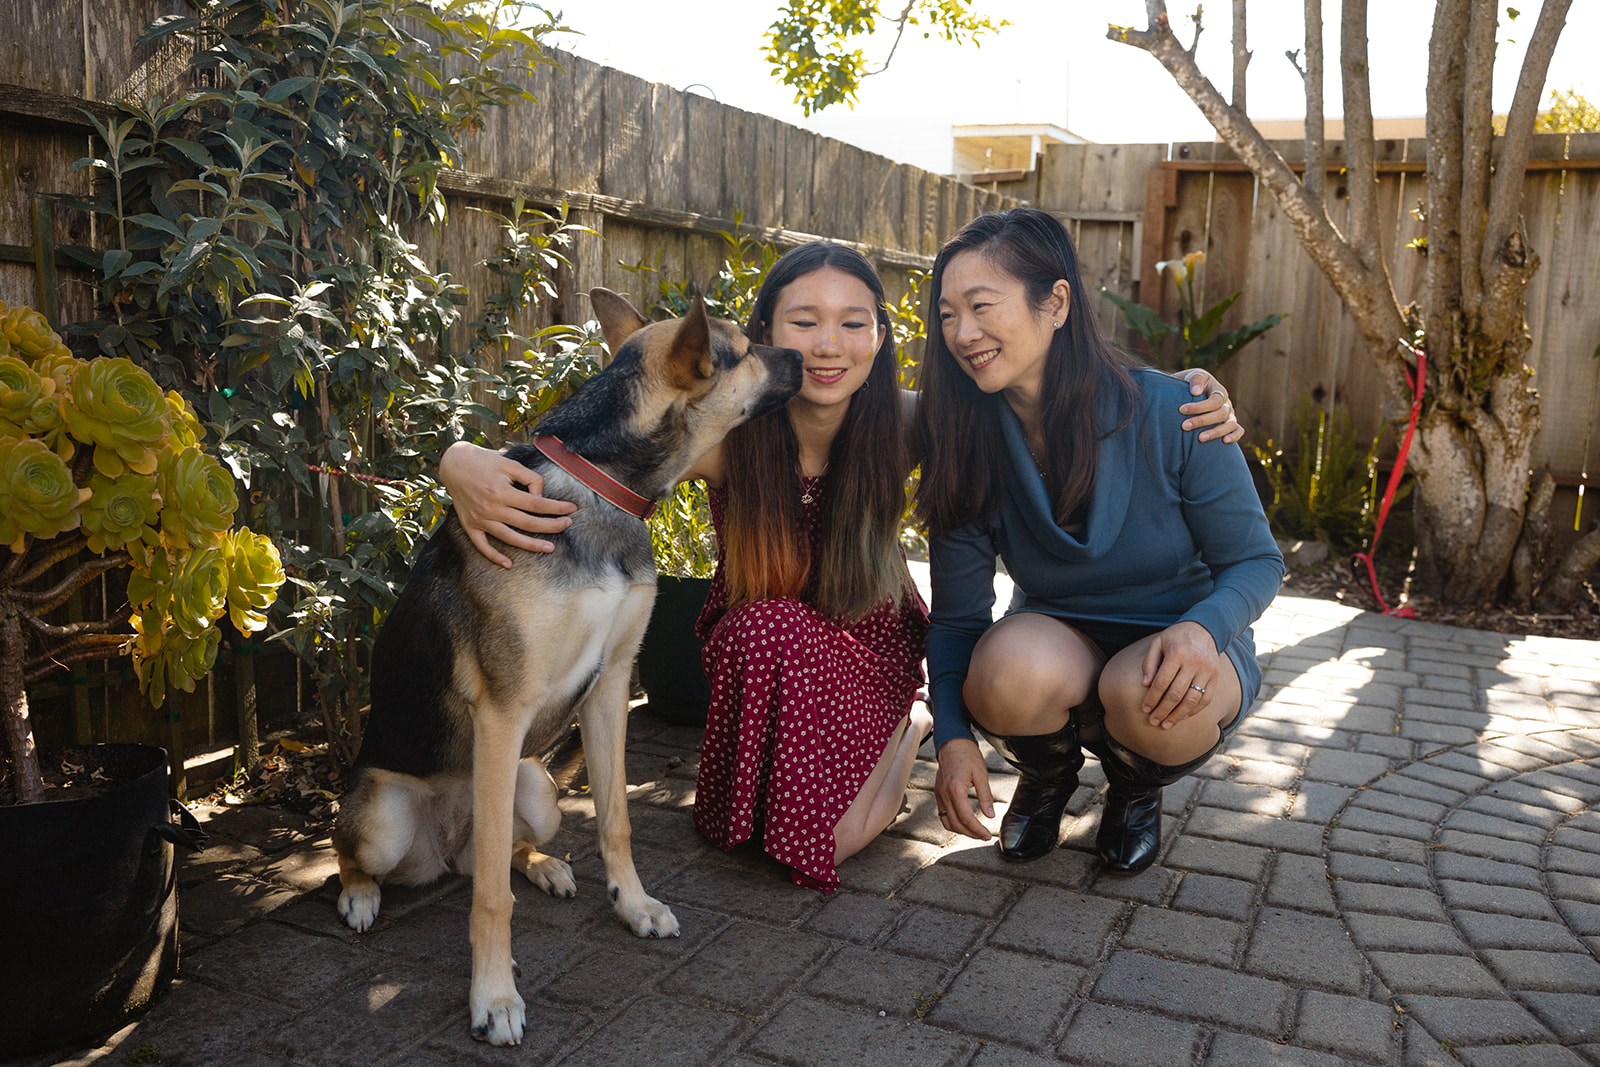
(1140, 558)
(814, 632)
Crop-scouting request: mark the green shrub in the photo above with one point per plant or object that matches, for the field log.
(1327, 489)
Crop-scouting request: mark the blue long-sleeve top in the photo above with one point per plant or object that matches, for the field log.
(1173, 531)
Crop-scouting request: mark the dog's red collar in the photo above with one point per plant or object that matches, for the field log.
(609, 488)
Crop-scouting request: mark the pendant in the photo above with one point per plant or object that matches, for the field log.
(805, 498)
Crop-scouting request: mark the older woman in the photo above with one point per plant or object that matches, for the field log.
(1140, 557)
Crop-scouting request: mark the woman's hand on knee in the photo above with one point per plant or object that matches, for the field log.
(962, 772)
(499, 497)
(1180, 667)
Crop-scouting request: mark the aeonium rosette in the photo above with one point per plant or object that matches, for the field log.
(117, 407)
(197, 498)
(37, 494)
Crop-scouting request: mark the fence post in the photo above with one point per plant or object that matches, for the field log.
(44, 261)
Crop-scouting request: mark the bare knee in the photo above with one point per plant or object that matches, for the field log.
(1122, 692)
(1026, 674)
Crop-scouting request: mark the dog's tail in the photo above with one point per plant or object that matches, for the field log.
(564, 758)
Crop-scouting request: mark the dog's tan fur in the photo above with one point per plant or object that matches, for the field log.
(526, 649)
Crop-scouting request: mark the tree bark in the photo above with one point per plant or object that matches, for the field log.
(1241, 58)
(1315, 175)
(25, 778)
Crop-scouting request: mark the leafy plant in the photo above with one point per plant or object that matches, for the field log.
(101, 471)
(265, 264)
(1326, 490)
(680, 530)
(1202, 345)
(809, 46)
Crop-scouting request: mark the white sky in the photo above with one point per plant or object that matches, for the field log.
(1053, 64)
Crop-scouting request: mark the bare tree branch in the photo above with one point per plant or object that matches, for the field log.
(1361, 177)
(77, 629)
(57, 594)
(1477, 142)
(87, 649)
(1368, 295)
(58, 551)
(900, 30)
(1316, 172)
(1505, 199)
(1241, 58)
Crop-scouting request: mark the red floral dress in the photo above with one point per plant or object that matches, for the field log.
(801, 711)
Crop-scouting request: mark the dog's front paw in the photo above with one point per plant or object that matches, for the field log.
(650, 918)
(498, 1020)
(358, 906)
(550, 874)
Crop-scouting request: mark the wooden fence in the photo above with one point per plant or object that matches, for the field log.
(1134, 205)
(655, 173)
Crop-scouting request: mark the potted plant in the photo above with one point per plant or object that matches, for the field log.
(670, 670)
(101, 472)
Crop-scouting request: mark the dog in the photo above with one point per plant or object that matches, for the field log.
(478, 668)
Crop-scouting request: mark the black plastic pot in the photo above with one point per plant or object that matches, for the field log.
(669, 656)
(90, 902)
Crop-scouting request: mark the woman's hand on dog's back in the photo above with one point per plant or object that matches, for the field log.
(499, 497)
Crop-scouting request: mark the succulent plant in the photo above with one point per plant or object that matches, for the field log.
(197, 498)
(254, 575)
(117, 407)
(120, 510)
(37, 495)
(26, 334)
(145, 495)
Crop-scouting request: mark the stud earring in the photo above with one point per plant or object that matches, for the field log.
(1057, 325)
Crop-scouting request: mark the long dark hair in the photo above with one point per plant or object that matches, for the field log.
(857, 562)
(957, 430)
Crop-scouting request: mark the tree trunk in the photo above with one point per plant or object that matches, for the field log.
(1480, 415)
(25, 777)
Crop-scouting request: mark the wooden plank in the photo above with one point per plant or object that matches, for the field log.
(625, 151)
(1227, 244)
(1259, 376)
(580, 127)
(881, 211)
(1099, 259)
(1061, 177)
(823, 192)
(767, 208)
(739, 193)
(1112, 177)
(1160, 196)
(799, 160)
(669, 140)
(704, 186)
(519, 141)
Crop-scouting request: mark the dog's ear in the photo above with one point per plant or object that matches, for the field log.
(618, 320)
(690, 354)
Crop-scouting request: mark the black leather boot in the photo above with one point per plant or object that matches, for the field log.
(1130, 826)
(1047, 767)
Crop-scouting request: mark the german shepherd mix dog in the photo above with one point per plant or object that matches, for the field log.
(478, 668)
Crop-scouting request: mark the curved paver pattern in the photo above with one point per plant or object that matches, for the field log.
(1507, 860)
(1395, 862)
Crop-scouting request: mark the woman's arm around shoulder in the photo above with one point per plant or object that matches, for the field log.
(1212, 415)
(499, 497)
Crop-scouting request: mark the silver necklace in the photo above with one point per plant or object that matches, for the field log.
(806, 497)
